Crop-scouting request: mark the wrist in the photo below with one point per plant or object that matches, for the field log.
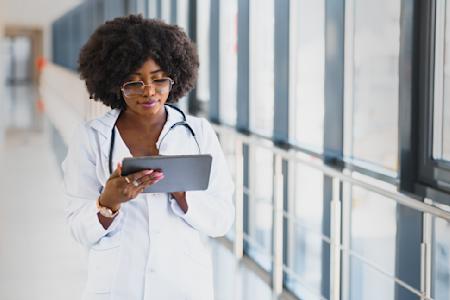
(104, 203)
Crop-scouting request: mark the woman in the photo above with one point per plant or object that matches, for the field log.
(143, 245)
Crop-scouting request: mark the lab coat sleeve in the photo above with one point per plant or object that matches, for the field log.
(211, 211)
(82, 189)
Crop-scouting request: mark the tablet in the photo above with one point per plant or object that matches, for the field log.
(181, 172)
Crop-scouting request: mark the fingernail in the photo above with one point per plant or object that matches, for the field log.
(148, 172)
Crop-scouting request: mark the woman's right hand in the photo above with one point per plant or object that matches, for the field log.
(120, 189)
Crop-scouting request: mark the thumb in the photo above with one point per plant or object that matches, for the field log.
(118, 171)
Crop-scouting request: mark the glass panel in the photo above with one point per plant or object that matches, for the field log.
(441, 260)
(229, 150)
(182, 14)
(374, 243)
(228, 61)
(368, 284)
(304, 253)
(261, 66)
(261, 208)
(441, 128)
(203, 7)
(375, 82)
(307, 59)
(166, 10)
(152, 8)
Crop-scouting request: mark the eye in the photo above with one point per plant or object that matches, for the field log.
(161, 81)
(134, 84)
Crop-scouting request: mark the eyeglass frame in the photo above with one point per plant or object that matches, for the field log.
(172, 82)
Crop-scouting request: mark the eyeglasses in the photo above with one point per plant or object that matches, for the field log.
(137, 88)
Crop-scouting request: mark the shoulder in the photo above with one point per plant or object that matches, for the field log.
(200, 125)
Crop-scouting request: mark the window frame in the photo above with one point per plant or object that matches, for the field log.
(421, 176)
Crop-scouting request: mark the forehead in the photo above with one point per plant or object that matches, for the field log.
(149, 67)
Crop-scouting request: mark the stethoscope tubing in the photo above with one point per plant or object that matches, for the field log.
(181, 123)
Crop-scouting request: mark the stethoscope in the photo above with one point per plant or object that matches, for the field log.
(182, 123)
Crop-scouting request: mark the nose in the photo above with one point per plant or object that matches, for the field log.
(149, 90)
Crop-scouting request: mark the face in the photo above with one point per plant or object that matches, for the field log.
(147, 89)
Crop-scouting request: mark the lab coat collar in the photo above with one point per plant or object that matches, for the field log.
(105, 124)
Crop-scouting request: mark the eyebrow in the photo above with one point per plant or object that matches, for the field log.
(152, 72)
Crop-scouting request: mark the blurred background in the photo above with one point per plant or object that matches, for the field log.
(334, 116)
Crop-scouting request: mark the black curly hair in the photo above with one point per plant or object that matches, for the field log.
(121, 46)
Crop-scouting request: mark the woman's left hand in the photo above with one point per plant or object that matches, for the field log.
(180, 197)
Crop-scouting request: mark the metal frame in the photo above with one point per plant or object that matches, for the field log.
(432, 178)
(342, 182)
(243, 93)
(214, 61)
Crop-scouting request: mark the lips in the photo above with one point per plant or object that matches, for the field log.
(149, 103)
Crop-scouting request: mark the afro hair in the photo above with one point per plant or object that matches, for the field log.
(119, 47)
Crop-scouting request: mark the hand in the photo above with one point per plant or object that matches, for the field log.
(180, 197)
(120, 189)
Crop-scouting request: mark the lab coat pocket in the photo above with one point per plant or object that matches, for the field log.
(102, 268)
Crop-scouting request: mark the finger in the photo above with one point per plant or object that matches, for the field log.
(118, 171)
(140, 174)
(151, 181)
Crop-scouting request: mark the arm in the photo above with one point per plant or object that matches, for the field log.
(211, 211)
(82, 188)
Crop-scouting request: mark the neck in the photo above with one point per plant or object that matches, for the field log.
(148, 123)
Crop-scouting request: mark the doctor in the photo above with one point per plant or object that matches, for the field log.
(143, 246)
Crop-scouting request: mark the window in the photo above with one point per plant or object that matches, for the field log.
(228, 61)
(165, 10)
(152, 8)
(229, 149)
(303, 270)
(182, 14)
(258, 243)
(307, 37)
(372, 80)
(440, 277)
(261, 66)
(372, 238)
(434, 155)
(203, 16)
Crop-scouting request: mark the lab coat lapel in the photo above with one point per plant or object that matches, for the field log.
(173, 117)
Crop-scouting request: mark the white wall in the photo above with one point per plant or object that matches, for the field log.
(36, 13)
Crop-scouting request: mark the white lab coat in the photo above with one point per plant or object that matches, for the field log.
(152, 250)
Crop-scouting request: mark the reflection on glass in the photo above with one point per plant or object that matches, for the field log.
(203, 7)
(228, 61)
(165, 10)
(304, 255)
(307, 73)
(374, 243)
(442, 95)
(261, 66)
(182, 14)
(228, 146)
(152, 7)
(375, 81)
(441, 260)
(374, 285)
(260, 208)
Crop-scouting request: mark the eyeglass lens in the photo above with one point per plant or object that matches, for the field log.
(136, 88)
